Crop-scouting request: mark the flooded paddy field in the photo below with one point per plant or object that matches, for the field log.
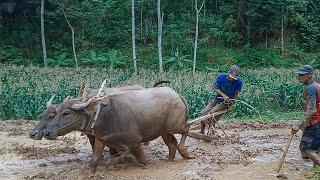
(251, 152)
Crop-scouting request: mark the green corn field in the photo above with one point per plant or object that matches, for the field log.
(24, 91)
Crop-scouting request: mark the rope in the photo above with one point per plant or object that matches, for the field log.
(66, 125)
(245, 103)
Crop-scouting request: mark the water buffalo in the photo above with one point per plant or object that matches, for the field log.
(37, 131)
(126, 120)
(47, 116)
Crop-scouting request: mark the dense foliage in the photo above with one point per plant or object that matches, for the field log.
(247, 32)
(24, 91)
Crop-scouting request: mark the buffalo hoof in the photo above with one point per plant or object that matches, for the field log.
(188, 157)
(93, 167)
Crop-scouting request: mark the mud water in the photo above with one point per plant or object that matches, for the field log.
(250, 152)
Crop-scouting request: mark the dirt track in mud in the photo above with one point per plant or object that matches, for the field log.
(251, 153)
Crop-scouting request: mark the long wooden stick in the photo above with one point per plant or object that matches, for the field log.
(210, 115)
(284, 154)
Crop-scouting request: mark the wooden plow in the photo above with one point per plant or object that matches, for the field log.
(205, 117)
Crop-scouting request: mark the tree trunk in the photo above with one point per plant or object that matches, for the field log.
(160, 19)
(266, 40)
(196, 36)
(195, 45)
(282, 38)
(134, 57)
(43, 40)
(73, 42)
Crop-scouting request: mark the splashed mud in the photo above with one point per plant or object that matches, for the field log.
(250, 152)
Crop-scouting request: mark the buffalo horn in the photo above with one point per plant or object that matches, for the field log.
(85, 91)
(68, 97)
(81, 106)
(49, 103)
(101, 88)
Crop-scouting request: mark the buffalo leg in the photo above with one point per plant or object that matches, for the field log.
(114, 152)
(138, 154)
(182, 149)
(97, 154)
(172, 143)
(91, 140)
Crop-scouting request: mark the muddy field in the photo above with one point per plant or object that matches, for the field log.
(251, 152)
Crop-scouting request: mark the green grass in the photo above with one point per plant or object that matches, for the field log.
(274, 93)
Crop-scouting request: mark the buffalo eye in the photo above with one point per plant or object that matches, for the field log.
(52, 115)
(66, 113)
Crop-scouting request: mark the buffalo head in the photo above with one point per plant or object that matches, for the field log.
(73, 115)
(47, 116)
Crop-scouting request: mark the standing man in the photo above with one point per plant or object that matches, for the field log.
(227, 86)
(310, 123)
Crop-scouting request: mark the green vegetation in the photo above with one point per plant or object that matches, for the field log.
(248, 33)
(274, 93)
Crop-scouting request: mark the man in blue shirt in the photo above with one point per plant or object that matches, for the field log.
(227, 86)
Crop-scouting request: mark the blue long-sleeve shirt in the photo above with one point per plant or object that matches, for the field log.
(229, 88)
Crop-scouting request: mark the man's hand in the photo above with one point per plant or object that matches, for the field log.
(229, 109)
(294, 130)
(225, 98)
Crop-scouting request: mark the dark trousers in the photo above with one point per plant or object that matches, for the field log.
(310, 140)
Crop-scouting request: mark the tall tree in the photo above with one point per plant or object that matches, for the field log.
(43, 40)
(160, 22)
(197, 34)
(134, 56)
(73, 41)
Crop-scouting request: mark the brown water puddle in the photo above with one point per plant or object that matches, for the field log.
(251, 153)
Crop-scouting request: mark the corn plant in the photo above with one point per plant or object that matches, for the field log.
(24, 91)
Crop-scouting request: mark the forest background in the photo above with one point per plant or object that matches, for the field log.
(255, 34)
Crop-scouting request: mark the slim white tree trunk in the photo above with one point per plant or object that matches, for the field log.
(195, 45)
(266, 40)
(196, 36)
(134, 56)
(73, 41)
(43, 40)
(160, 21)
(282, 38)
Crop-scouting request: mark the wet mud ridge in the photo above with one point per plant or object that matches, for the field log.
(250, 152)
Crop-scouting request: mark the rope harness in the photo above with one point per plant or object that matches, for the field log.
(67, 125)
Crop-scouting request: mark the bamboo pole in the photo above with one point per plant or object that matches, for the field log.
(281, 160)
